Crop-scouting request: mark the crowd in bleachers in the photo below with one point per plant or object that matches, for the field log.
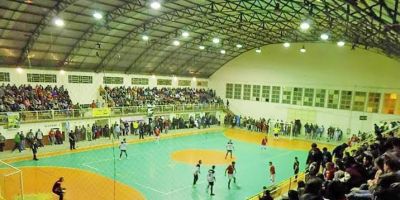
(28, 98)
(137, 96)
(293, 128)
(368, 171)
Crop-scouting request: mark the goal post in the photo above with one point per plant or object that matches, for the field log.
(11, 182)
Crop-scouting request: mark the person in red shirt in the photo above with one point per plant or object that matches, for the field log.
(272, 172)
(329, 171)
(264, 142)
(157, 134)
(231, 170)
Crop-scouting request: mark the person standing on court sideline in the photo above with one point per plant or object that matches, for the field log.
(2, 142)
(211, 179)
(58, 189)
(39, 137)
(196, 173)
(72, 140)
(34, 147)
(296, 168)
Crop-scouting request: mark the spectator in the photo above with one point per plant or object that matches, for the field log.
(2, 142)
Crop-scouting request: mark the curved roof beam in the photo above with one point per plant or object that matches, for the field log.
(59, 7)
(110, 16)
(225, 6)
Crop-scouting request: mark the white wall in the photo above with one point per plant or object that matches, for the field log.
(85, 93)
(323, 66)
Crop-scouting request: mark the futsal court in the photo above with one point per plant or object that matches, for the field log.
(164, 169)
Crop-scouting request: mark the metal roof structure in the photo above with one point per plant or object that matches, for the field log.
(28, 36)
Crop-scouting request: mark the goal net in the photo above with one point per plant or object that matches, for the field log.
(11, 186)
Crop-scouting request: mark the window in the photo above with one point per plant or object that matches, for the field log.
(202, 83)
(184, 83)
(359, 101)
(42, 78)
(113, 80)
(164, 82)
(140, 81)
(246, 92)
(320, 96)
(229, 91)
(238, 91)
(4, 77)
(333, 99)
(374, 100)
(266, 90)
(308, 99)
(297, 96)
(256, 92)
(389, 103)
(345, 100)
(287, 95)
(276, 94)
(80, 79)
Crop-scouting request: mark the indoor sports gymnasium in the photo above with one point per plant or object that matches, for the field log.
(199, 99)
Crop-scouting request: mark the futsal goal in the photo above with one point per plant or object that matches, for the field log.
(11, 185)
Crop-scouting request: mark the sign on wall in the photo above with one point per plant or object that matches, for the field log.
(101, 112)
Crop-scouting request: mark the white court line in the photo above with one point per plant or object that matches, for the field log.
(144, 186)
(91, 167)
(184, 188)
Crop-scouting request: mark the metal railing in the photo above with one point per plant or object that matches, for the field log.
(83, 113)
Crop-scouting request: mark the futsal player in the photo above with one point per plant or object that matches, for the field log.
(122, 148)
(196, 173)
(211, 179)
(296, 166)
(58, 189)
(264, 142)
(231, 171)
(229, 148)
(272, 172)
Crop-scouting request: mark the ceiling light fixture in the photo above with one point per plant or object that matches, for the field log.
(19, 70)
(176, 43)
(59, 22)
(239, 46)
(303, 49)
(286, 44)
(62, 72)
(341, 43)
(185, 34)
(324, 36)
(97, 15)
(201, 47)
(223, 51)
(145, 37)
(155, 5)
(258, 50)
(304, 26)
(215, 40)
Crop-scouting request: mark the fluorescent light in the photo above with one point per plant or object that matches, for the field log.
(223, 51)
(341, 43)
(59, 22)
(155, 5)
(185, 34)
(62, 72)
(176, 43)
(303, 49)
(215, 40)
(286, 44)
(145, 37)
(239, 46)
(324, 36)
(175, 78)
(153, 76)
(258, 50)
(19, 70)
(97, 15)
(201, 47)
(304, 26)
(194, 78)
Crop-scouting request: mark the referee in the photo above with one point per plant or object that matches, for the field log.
(122, 148)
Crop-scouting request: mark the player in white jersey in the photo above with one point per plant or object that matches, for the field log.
(229, 148)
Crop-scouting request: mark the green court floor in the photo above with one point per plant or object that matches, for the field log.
(150, 169)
